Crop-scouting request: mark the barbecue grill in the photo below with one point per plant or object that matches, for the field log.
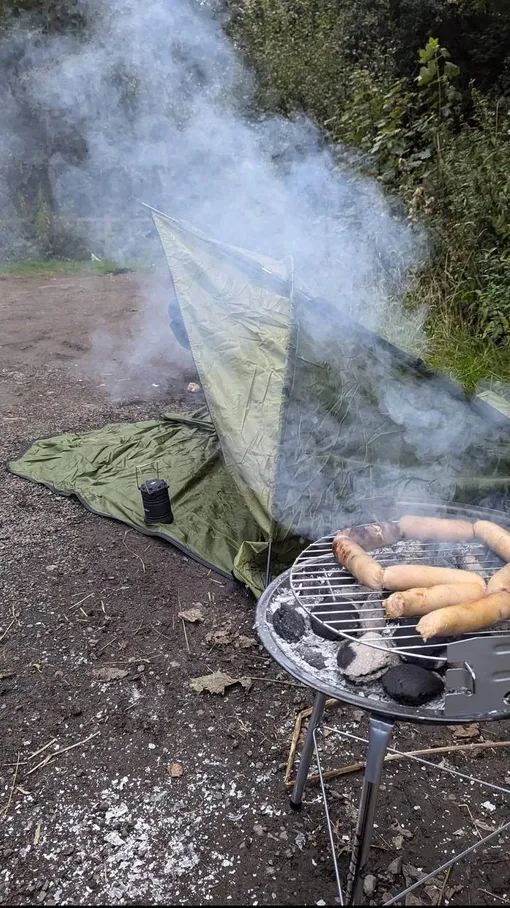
(331, 607)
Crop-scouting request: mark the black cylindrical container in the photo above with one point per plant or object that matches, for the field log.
(156, 501)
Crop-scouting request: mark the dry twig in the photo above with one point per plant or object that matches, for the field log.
(7, 629)
(273, 681)
(356, 767)
(443, 887)
(57, 753)
(107, 645)
(5, 809)
(161, 635)
(132, 552)
(76, 604)
(185, 634)
(494, 896)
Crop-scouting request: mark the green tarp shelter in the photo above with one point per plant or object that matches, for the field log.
(311, 421)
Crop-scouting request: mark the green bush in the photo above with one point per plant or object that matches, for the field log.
(426, 131)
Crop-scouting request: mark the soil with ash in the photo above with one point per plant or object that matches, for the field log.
(119, 783)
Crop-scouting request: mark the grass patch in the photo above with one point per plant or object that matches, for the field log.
(54, 267)
(466, 358)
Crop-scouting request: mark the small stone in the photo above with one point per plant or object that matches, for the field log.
(369, 885)
(395, 867)
(258, 829)
(140, 668)
(76, 710)
(412, 899)
(411, 684)
(314, 658)
(288, 624)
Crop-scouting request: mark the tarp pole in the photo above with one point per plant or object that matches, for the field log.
(268, 561)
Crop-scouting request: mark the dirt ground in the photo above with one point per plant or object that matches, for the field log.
(155, 793)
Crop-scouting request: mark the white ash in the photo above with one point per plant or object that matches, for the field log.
(371, 612)
(369, 657)
(309, 643)
(297, 653)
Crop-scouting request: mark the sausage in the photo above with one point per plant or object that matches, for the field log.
(495, 537)
(500, 580)
(362, 566)
(413, 527)
(410, 576)
(422, 600)
(465, 618)
(374, 535)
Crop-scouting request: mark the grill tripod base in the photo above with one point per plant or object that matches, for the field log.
(380, 731)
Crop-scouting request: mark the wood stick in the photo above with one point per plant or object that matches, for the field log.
(4, 810)
(443, 887)
(37, 752)
(295, 737)
(356, 767)
(76, 604)
(272, 681)
(7, 629)
(185, 635)
(57, 753)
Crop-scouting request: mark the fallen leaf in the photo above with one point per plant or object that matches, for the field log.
(193, 386)
(175, 770)
(244, 642)
(465, 731)
(110, 673)
(192, 614)
(220, 638)
(398, 828)
(217, 682)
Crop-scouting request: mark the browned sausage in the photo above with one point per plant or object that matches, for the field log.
(500, 580)
(409, 576)
(374, 535)
(415, 527)
(495, 537)
(362, 566)
(422, 600)
(466, 618)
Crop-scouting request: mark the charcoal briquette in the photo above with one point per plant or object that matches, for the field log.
(346, 618)
(288, 624)
(411, 684)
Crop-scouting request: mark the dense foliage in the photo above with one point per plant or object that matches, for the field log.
(420, 87)
(423, 88)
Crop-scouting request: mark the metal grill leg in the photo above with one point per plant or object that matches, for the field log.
(306, 755)
(379, 734)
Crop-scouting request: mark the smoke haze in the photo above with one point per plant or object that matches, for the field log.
(153, 103)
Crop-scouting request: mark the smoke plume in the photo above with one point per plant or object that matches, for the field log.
(152, 102)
